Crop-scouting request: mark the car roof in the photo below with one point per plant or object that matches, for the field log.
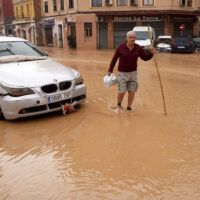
(182, 38)
(10, 39)
(164, 37)
(141, 28)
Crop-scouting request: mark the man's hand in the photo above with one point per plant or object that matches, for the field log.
(152, 50)
(109, 73)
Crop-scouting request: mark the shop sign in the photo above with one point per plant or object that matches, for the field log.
(182, 19)
(70, 18)
(135, 18)
(49, 22)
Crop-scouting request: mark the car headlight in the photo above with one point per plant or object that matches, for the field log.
(17, 91)
(79, 80)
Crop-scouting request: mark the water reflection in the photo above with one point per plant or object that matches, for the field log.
(101, 153)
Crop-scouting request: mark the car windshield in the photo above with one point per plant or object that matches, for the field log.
(141, 35)
(19, 48)
(164, 40)
(181, 40)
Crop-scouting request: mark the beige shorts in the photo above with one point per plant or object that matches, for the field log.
(127, 81)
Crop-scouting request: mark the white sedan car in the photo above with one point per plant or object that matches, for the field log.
(31, 83)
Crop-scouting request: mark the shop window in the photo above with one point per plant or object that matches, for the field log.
(88, 29)
(46, 7)
(189, 3)
(148, 2)
(96, 3)
(122, 2)
(61, 4)
(71, 3)
(54, 5)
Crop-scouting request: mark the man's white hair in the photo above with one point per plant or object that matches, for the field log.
(130, 32)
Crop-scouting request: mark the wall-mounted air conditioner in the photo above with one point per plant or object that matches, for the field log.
(183, 2)
(134, 2)
(108, 2)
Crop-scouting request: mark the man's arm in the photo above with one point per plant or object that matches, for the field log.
(113, 62)
(147, 55)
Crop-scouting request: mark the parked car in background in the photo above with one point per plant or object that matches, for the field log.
(163, 43)
(197, 43)
(142, 36)
(183, 44)
(31, 83)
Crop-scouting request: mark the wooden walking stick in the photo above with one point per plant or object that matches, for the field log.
(158, 73)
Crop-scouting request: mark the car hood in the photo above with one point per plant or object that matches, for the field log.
(143, 43)
(35, 73)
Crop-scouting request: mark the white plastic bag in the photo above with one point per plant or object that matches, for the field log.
(109, 80)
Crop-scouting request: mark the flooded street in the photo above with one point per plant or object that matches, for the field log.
(101, 153)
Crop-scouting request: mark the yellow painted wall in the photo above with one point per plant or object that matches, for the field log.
(28, 9)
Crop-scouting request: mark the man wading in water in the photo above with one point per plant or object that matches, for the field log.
(128, 53)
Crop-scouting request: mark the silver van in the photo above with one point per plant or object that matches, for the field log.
(142, 36)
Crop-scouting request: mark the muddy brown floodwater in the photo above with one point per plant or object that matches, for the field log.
(101, 153)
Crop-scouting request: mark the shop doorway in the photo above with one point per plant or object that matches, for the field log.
(103, 35)
(49, 36)
(71, 38)
(60, 36)
(120, 30)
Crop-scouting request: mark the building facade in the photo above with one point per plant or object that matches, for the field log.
(103, 24)
(2, 27)
(24, 15)
(59, 22)
(6, 27)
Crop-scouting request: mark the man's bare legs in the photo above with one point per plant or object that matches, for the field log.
(120, 98)
(130, 99)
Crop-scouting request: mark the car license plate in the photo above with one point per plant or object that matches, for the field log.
(59, 97)
(181, 47)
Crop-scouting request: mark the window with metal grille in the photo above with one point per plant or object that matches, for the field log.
(189, 3)
(54, 5)
(46, 7)
(182, 2)
(122, 2)
(96, 3)
(62, 7)
(88, 29)
(71, 3)
(148, 2)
